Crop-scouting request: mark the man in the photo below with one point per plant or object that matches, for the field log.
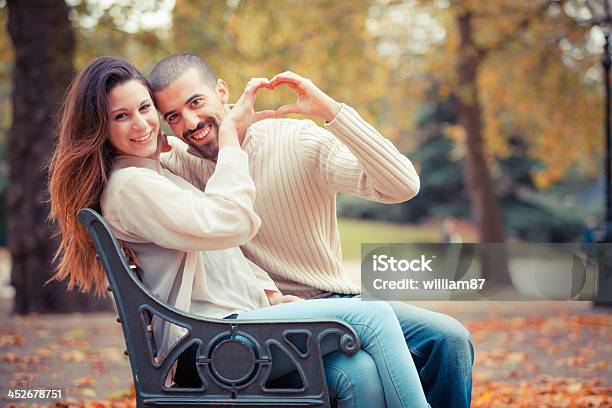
(298, 167)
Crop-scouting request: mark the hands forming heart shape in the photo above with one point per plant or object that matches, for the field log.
(311, 100)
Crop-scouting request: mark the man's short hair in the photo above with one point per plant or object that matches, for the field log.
(170, 68)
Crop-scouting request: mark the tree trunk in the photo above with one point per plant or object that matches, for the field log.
(44, 44)
(483, 198)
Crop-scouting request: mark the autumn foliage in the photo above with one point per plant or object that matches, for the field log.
(543, 354)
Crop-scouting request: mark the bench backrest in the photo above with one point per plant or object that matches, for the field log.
(224, 346)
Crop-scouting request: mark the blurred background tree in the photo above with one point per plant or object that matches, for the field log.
(512, 70)
(497, 102)
(43, 44)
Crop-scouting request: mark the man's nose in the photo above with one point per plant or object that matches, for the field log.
(191, 120)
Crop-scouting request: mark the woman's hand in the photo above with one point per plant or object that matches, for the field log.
(310, 101)
(242, 115)
(276, 298)
(165, 146)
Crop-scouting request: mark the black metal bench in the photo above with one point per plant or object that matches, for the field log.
(235, 358)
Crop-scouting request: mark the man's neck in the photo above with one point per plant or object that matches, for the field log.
(195, 152)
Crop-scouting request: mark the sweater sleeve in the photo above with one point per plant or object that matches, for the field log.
(352, 157)
(181, 217)
(263, 280)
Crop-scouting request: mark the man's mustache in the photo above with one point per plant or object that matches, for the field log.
(201, 125)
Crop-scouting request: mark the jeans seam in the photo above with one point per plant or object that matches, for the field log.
(353, 395)
(416, 353)
(384, 358)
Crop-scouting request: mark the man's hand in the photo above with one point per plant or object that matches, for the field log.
(311, 100)
(242, 115)
(276, 298)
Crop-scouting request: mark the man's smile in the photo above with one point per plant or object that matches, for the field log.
(199, 135)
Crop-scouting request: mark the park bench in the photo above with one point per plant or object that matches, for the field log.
(235, 358)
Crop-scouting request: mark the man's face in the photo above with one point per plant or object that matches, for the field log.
(194, 111)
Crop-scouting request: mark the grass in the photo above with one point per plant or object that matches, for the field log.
(353, 232)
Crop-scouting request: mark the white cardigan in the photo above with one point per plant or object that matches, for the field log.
(187, 239)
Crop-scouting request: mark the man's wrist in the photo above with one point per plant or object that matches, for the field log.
(333, 108)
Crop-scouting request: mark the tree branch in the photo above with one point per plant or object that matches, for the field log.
(520, 27)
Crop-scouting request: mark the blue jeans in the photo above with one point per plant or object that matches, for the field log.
(442, 352)
(352, 380)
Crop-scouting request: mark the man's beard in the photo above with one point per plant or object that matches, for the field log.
(209, 150)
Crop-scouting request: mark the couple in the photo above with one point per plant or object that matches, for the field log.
(184, 208)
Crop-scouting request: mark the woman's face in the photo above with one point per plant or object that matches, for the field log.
(134, 124)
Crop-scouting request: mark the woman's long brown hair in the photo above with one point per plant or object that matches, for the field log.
(80, 167)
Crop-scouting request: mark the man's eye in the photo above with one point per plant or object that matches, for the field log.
(171, 118)
(196, 102)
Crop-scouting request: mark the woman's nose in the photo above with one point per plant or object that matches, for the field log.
(139, 122)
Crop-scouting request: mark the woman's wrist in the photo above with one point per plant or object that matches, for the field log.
(272, 295)
(228, 134)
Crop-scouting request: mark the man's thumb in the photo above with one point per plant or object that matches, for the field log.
(266, 114)
(287, 109)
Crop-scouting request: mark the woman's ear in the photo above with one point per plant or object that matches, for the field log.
(222, 90)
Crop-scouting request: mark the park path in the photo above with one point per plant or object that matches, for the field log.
(522, 348)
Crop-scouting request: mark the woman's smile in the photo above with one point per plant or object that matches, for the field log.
(146, 138)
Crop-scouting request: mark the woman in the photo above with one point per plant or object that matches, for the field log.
(187, 240)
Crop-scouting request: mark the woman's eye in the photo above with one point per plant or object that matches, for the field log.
(120, 116)
(145, 108)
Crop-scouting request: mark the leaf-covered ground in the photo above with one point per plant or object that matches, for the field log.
(544, 354)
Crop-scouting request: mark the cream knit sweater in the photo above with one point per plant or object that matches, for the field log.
(298, 167)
